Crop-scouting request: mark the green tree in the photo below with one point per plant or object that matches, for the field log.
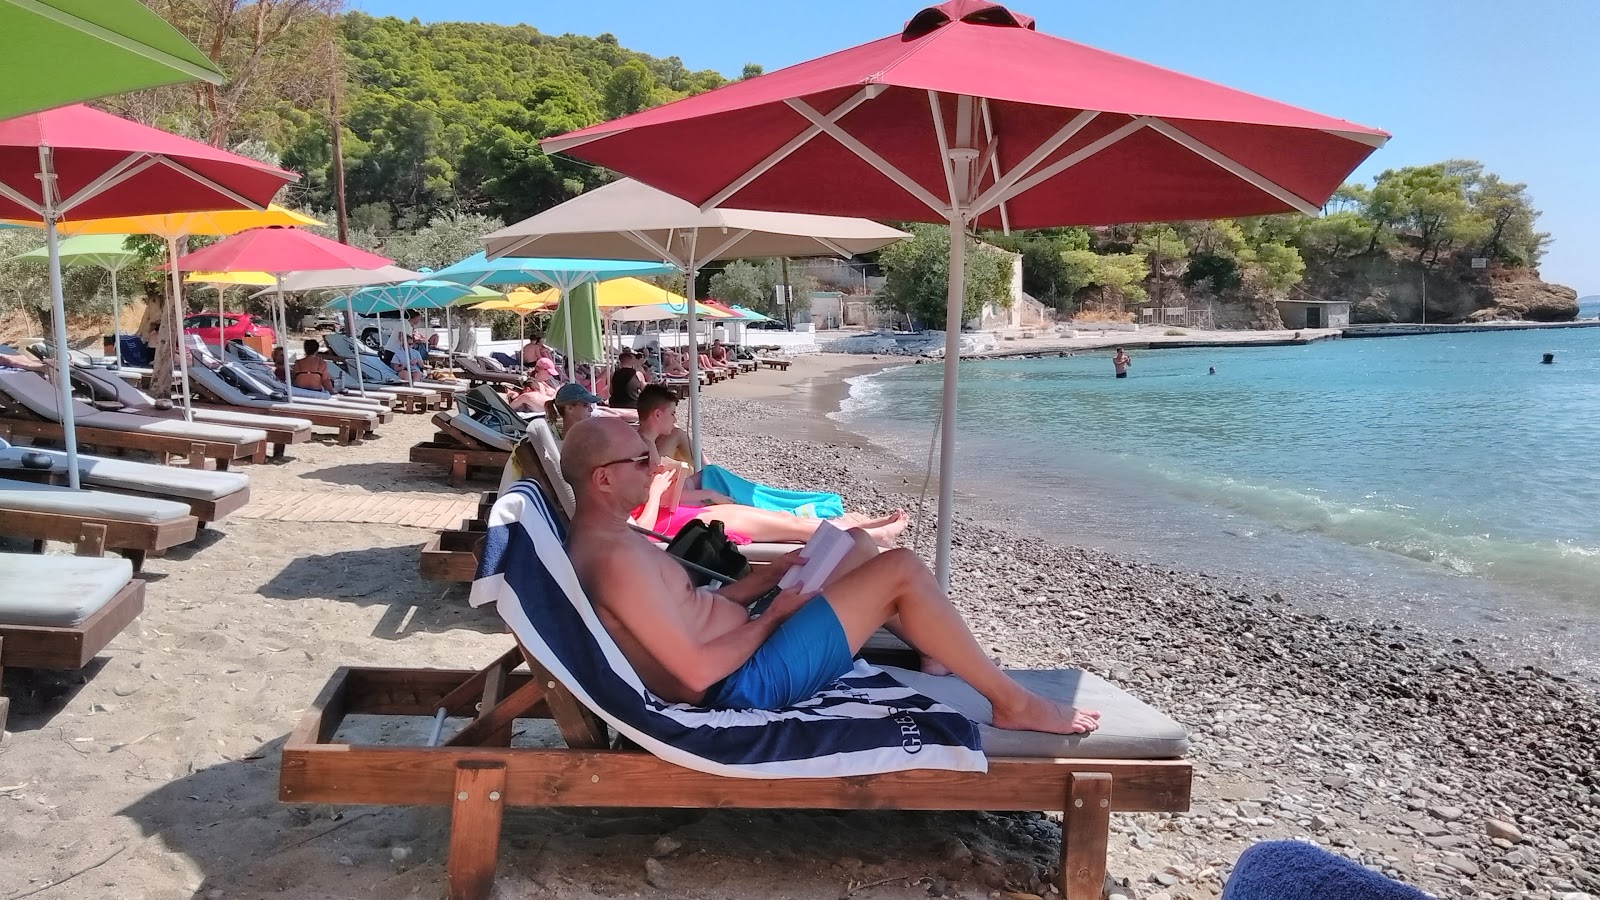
(1336, 235)
(630, 89)
(917, 277)
(751, 70)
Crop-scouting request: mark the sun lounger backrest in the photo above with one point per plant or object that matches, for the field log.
(483, 434)
(38, 395)
(118, 388)
(864, 723)
(543, 442)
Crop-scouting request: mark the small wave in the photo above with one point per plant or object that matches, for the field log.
(867, 394)
(1560, 568)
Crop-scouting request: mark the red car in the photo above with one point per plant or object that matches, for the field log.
(237, 326)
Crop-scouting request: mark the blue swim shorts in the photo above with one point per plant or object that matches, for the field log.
(807, 652)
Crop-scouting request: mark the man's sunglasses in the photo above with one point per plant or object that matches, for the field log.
(642, 459)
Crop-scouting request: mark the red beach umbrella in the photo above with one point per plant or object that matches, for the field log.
(972, 117)
(279, 250)
(81, 163)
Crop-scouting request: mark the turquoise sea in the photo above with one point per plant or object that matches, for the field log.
(1452, 468)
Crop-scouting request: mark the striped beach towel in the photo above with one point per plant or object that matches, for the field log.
(864, 723)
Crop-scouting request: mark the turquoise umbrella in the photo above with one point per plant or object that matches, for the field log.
(750, 314)
(426, 293)
(576, 330)
(104, 251)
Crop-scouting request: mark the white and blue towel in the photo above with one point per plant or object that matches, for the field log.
(864, 723)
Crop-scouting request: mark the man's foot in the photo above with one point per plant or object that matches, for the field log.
(886, 531)
(1035, 713)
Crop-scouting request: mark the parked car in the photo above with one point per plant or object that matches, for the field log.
(375, 330)
(237, 325)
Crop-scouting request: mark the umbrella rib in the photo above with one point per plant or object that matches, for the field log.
(1072, 159)
(1221, 160)
(999, 192)
(200, 73)
(991, 161)
(649, 243)
(836, 248)
(946, 164)
(723, 247)
(131, 165)
(16, 197)
(221, 189)
(869, 92)
(866, 153)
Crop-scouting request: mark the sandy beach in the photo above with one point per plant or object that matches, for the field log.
(153, 773)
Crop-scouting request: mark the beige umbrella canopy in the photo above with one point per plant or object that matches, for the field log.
(631, 220)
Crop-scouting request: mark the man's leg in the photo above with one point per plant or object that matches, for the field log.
(896, 583)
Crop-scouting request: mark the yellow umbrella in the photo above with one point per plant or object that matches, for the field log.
(174, 227)
(624, 292)
(222, 281)
(519, 300)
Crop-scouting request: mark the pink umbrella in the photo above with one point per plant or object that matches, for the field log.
(970, 116)
(85, 164)
(279, 250)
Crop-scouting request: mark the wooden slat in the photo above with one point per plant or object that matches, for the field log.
(580, 728)
(523, 702)
(423, 776)
(415, 692)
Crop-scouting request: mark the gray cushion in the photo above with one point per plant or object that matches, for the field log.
(146, 478)
(58, 591)
(48, 498)
(177, 428)
(249, 420)
(1129, 727)
(485, 435)
(549, 452)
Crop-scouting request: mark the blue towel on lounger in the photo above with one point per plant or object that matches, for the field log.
(1294, 870)
(811, 504)
(863, 723)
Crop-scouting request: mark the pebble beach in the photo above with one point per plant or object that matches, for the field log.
(154, 772)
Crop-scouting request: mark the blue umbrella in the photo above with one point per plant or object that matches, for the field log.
(751, 314)
(426, 293)
(564, 274)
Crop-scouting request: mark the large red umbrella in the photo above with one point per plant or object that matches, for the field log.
(970, 116)
(279, 250)
(81, 163)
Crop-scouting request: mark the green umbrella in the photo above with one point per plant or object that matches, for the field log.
(56, 52)
(579, 315)
(103, 251)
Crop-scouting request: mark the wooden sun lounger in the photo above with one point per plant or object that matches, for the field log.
(71, 648)
(479, 775)
(478, 374)
(452, 555)
(773, 363)
(458, 452)
(93, 535)
(196, 452)
(205, 510)
(351, 426)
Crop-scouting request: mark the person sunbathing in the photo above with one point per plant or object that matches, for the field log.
(539, 390)
(702, 647)
(672, 365)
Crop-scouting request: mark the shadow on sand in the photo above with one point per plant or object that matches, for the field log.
(387, 577)
(398, 476)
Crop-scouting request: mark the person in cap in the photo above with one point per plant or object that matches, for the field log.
(574, 403)
(539, 389)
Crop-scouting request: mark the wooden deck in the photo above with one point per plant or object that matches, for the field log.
(412, 509)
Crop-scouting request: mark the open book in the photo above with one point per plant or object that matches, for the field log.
(829, 545)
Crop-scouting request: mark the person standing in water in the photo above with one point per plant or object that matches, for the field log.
(1121, 362)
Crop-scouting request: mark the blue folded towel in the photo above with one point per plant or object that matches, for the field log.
(1294, 870)
(811, 504)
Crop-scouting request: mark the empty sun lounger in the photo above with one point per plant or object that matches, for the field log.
(858, 755)
(210, 496)
(351, 425)
(94, 521)
(463, 444)
(59, 612)
(478, 373)
(107, 388)
(28, 410)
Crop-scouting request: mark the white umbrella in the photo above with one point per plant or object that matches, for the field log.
(630, 220)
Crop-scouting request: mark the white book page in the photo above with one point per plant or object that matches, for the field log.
(829, 545)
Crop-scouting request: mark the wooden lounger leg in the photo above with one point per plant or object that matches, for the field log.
(197, 456)
(261, 454)
(1085, 831)
(92, 542)
(344, 435)
(458, 471)
(277, 451)
(475, 828)
(5, 702)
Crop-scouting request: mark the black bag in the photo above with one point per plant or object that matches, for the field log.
(706, 545)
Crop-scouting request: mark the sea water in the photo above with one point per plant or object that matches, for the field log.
(1455, 471)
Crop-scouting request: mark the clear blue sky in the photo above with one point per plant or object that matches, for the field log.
(1513, 85)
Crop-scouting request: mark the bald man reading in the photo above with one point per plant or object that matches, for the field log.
(700, 646)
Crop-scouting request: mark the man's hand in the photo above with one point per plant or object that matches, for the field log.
(788, 603)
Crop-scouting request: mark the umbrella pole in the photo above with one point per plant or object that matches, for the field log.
(694, 356)
(955, 306)
(283, 338)
(58, 309)
(350, 328)
(180, 345)
(116, 320)
(572, 342)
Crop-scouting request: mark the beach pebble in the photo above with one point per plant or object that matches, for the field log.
(346, 861)
(1445, 813)
(400, 854)
(657, 875)
(1505, 831)
(666, 845)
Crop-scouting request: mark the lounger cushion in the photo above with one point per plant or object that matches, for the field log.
(196, 431)
(249, 420)
(58, 591)
(48, 498)
(1129, 728)
(147, 478)
(482, 433)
